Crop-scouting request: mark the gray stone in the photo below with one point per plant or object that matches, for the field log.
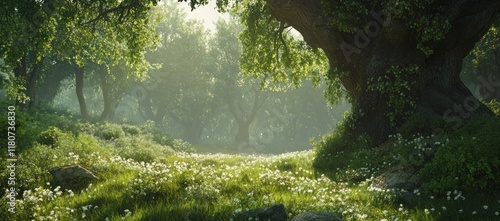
(316, 216)
(273, 213)
(396, 179)
(71, 175)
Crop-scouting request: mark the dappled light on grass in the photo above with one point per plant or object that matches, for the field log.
(144, 175)
(220, 186)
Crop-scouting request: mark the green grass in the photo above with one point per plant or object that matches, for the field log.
(143, 179)
(215, 187)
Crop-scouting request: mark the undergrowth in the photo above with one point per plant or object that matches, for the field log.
(143, 176)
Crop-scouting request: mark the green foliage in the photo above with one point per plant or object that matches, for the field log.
(15, 87)
(141, 149)
(335, 91)
(430, 28)
(219, 187)
(469, 161)
(283, 60)
(494, 106)
(53, 137)
(78, 32)
(344, 16)
(183, 87)
(34, 162)
(159, 136)
(110, 131)
(183, 146)
(131, 130)
(397, 85)
(33, 166)
(482, 60)
(30, 124)
(412, 153)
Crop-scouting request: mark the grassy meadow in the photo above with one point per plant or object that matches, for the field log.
(144, 174)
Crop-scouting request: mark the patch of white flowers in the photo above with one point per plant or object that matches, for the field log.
(205, 178)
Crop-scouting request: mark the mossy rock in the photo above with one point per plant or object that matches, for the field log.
(73, 176)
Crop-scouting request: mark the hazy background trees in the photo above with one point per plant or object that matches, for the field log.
(189, 83)
(163, 67)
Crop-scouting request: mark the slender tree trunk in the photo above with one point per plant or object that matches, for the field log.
(31, 86)
(79, 77)
(243, 135)
(161, 111)
(146, 109)
(106, 114)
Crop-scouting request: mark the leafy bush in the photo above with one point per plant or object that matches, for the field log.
(110, 131)
(33, 166)
(159, 136)
(469, 161)
(139, 148)
(86, 128)
(53, 136)
(420, 124)
(30, 124)
(56, 148)
(131, 130)
(183, 146)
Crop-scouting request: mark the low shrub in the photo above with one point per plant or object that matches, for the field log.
(110, 131)
(183, 146)
(469, 161)
(139, 148)
(33, 165)
(131, 130)
(53, 137)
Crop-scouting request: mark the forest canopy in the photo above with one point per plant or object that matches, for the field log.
(390, 59)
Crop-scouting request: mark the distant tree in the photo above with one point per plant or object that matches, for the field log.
(184, 90)
(392, 59)
(34, 30)
(241, 95)
(483, 65)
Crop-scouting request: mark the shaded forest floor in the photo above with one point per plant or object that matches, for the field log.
(144, 174)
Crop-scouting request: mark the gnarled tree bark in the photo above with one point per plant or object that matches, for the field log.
(369, 53)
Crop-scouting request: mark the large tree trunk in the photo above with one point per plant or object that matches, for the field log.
(369, 53)
(30, 75)
(79, 77)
